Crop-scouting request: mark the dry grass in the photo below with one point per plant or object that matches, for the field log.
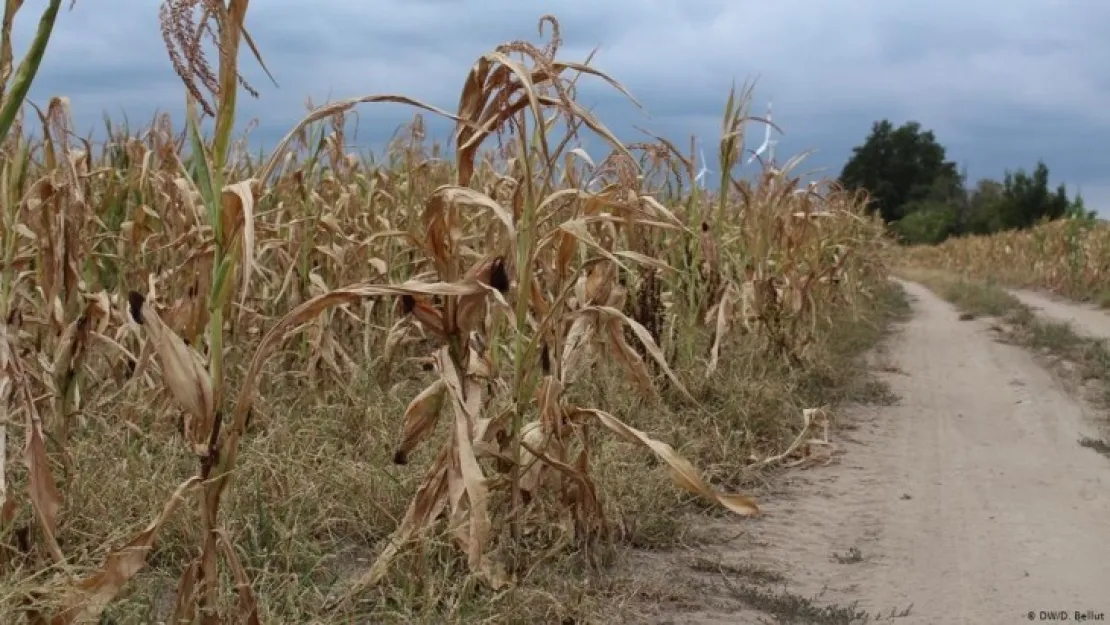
(308, 389)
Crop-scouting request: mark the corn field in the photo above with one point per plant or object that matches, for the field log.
(209, 359)
(1070, 257)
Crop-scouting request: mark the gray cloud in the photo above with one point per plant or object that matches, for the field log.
(1001, 84)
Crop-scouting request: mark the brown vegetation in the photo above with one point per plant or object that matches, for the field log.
(314, 387)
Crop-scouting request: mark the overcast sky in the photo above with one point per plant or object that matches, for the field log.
(1001, 84)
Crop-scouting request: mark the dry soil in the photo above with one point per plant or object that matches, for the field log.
(969, 498)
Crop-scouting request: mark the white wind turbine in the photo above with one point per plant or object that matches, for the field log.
(769, 144)
(700, 178)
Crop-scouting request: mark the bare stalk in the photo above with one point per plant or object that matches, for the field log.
(525, 241)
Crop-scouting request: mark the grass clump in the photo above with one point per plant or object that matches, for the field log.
(760, 589)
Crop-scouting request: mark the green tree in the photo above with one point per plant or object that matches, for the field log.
(1027, 199)
(1078, 210)
(901, 168)
(927, 223)
(984, 207)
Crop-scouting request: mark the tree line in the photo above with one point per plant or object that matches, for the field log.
(925, 199)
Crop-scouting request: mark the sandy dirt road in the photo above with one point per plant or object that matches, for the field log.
(970, 498)
(1084, 319)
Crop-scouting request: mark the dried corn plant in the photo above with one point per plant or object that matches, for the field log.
(195, 382)
(1070, 257)
(766, 255)
(542, 235)
(789, 249)
(169, 291)
(55, 207)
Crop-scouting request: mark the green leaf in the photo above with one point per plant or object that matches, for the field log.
(202, 170)
(28, 67)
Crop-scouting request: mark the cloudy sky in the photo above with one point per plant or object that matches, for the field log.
(1001, 84)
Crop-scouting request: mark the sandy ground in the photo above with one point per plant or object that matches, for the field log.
(969, 499)
(1085, 319)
